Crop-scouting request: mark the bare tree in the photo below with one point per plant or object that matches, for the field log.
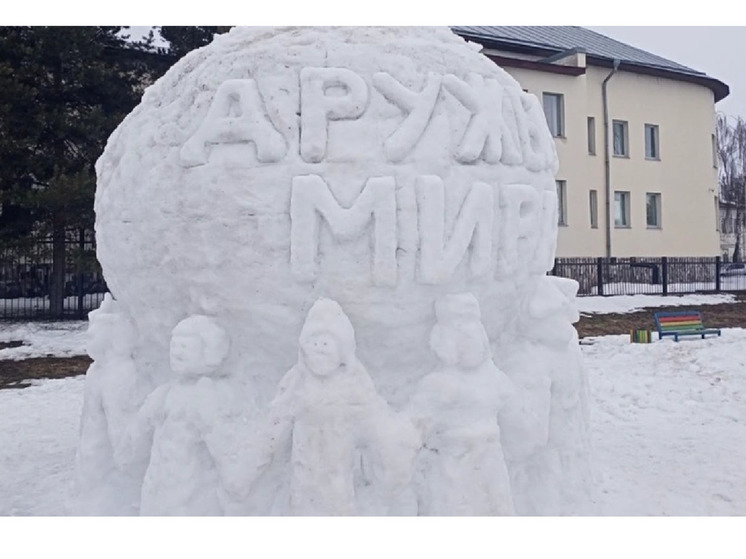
(731, 156)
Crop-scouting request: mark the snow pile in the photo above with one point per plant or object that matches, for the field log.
(329, 246)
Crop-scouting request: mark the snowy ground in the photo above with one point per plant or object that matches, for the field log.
(43, 339)
(632, 303)
(668, 425)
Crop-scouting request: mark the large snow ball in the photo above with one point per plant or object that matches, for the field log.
(379, 167)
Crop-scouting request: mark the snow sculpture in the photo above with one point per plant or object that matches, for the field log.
(348, 452)
(462, 466)
(383, 169)
(556, 478)
(113, 393)
(173, 437)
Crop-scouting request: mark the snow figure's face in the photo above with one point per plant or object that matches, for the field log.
(98, 342)
(108, 335)
(551, 312)
(460, 344)
(187, 356)
(321, 354)
(198, 347)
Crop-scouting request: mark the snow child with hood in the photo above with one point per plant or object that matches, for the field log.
(348, 453)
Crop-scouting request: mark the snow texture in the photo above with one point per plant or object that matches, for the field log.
(349, 195)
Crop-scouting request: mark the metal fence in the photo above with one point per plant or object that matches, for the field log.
(662, 276)
(25, 276)
(26, 267)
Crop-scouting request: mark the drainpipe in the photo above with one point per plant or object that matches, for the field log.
(607, 164)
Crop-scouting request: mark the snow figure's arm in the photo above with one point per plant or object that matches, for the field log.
(236, 448)
(399, 441)
(255, 442)
(521, 428)
(422, 407)
(134, 448)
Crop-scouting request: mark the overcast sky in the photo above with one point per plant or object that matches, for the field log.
(716, 51)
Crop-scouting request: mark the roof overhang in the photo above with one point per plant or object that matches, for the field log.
(719, 89)
(507, 62)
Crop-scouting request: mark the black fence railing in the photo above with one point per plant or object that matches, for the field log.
(26, 275)
(26, 269)
(661, 276)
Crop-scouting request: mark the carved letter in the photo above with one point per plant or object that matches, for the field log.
(484, 99)
(545, 252)
(418, 106)
(317, 108)
(311, 201)
(527, 117)
(473, 228)
(520, 227)
(237, 115)
(514, 128)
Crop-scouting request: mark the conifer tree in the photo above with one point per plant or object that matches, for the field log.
(63, 90)
(183, 39)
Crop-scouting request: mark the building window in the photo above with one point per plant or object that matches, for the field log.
(621, 143)
(621, 209)
(652, 149)
(714, 151)
(555, 112)
(717, 217)
(591, 136)
(653, 210)
(561, 202)
(593, 199)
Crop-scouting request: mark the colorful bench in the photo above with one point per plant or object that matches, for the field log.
(681, 323)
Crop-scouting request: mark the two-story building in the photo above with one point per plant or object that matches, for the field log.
(635, 135)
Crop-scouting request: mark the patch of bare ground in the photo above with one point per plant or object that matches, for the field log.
(17, 374)
(724, 315)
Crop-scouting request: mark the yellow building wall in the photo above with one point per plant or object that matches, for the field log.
(685, 175)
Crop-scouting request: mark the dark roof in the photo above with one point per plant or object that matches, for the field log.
(600, 50)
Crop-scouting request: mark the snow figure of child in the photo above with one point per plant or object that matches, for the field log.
(348, 453)
(176, 439)
(546, 362)
(113, 393)
(461, 469)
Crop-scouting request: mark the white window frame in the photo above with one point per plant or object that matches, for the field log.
(658, 213)
(593, 203)
(591, 135)
(652, 150)
(557, 129)
(625, 138)
(624, 197)
(561, 202)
